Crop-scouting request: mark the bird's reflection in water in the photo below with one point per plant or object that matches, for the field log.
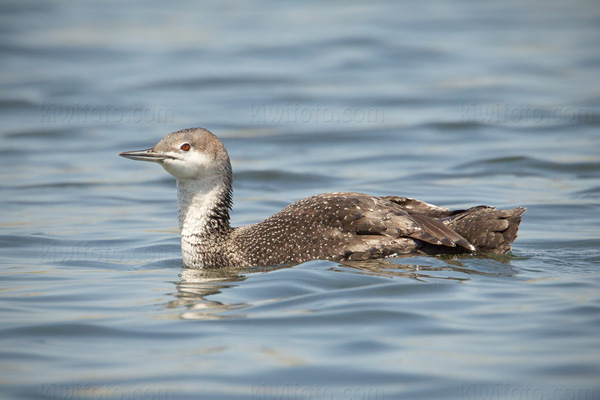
(196, 284)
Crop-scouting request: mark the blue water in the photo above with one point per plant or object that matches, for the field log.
(456, 103)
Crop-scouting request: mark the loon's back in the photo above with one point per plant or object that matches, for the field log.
(357, 226)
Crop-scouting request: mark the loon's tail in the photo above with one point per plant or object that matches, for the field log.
(488, 229)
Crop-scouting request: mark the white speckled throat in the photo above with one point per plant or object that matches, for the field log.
(197, 200)
(203, 211)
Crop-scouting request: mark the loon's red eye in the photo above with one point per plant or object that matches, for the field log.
(185, 146)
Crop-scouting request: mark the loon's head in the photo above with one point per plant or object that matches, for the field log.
(188, 154)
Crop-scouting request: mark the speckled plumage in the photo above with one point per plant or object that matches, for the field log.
(332, 226)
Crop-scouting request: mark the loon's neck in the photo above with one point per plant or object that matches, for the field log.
(203, 206)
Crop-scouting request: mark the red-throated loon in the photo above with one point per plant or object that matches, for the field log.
(330, 226)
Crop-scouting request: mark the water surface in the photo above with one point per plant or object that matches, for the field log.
(455, 103)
